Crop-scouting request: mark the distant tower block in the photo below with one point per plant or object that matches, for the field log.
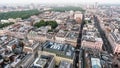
(96, 5)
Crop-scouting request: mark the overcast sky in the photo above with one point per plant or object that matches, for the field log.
(58, 1)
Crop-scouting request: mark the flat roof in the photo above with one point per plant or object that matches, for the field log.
(65, 64)
(61, 33)
(66, 50)
(24, 59)
(72, 35)
(95, 63)
(43, 61)
(34, 45)
(40, 62)
(55, 46)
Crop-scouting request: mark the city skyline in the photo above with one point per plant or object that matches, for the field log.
(60, 34)
(59, 1)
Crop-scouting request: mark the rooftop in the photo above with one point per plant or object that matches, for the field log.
(65, 64)
(43, 61)
(40, 62)
(72, 35)
(50, 35)
(61, 33)
(32, 44)
(95, 63)
(19, 28)
(59, 49)
(91, 36)
(116, 36)
(75, 28)
(55, 46)
(26, 58)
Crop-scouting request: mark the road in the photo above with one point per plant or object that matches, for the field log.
(77, 49)
(106, 44)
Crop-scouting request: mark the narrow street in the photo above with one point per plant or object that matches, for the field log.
(77, 49)
(106, 45)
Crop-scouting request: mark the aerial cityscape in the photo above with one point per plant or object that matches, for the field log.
(59, 34)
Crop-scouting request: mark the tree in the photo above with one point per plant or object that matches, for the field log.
(41, 23)
(50, 30)
(53, 24)
(67, 8)
(18, 14)
(5, 24)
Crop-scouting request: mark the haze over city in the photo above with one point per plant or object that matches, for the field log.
(59, 1)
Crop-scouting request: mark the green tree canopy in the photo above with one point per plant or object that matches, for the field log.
(18, 14)
(53, 24)
(5, 24)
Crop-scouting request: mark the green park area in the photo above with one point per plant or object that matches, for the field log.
(18, 14)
